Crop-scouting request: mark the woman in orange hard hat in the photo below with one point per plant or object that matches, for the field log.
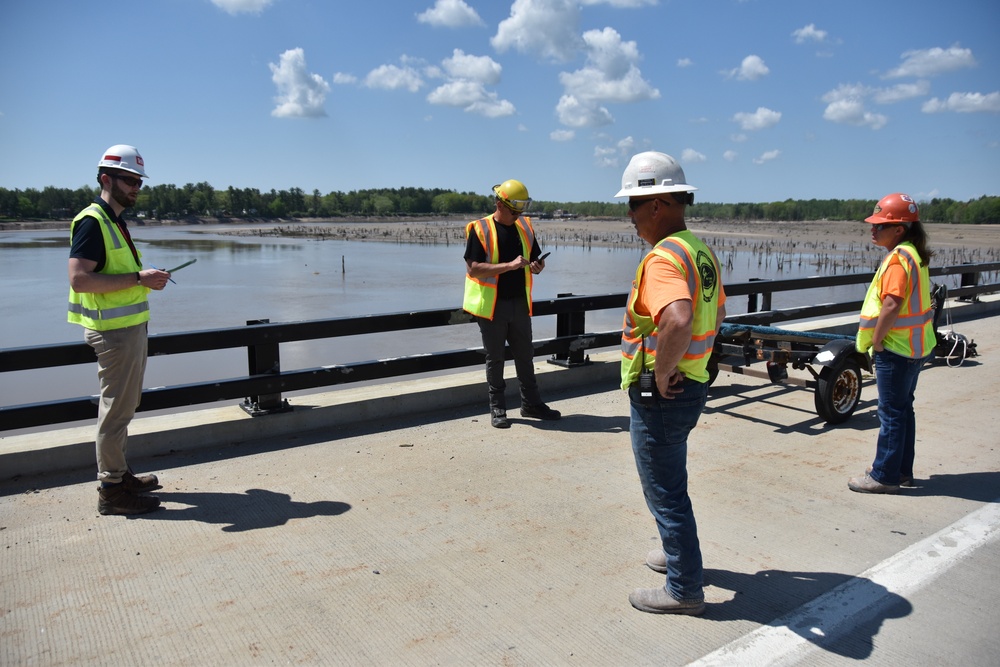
(897, 326)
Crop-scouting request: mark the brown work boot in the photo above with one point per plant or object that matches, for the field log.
(116, 499)
(140, 483)
(659, 601)
(868, 485)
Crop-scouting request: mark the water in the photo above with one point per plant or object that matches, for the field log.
(240, 278)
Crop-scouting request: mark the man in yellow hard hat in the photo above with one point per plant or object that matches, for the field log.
(501, 257)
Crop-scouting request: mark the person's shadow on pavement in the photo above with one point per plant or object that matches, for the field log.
(846, 624)
(254, 509)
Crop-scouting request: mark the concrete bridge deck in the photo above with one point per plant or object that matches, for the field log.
(433, 539)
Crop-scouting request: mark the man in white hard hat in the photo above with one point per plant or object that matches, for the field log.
(501, 257)
(107, 297)
(674, 310)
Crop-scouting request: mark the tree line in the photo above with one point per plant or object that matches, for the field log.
(170, 202)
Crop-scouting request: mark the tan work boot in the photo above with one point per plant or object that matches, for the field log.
(659, 601)
(868, 485)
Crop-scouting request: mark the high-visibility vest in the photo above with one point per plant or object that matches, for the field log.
(111, 310)
(481, 293)
(699, 266)
(912, 334)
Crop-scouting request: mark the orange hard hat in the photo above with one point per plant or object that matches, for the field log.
(896, 208)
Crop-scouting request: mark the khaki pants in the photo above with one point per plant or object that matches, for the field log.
(121, 364)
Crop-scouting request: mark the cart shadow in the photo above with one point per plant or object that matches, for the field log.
(738, 400)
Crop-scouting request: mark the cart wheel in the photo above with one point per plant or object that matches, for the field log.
(838, 391)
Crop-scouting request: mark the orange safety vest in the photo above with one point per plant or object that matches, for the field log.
(481, 293)
(699, 266)
(912, 334)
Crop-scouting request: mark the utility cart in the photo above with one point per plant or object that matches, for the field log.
(831, 359)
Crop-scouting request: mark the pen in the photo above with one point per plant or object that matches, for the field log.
(159, 269)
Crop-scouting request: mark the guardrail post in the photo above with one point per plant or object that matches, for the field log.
(970, 280)
(752, 298)
(263, 360)
(570, 324)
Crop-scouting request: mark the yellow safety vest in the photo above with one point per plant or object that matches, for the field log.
(912, 334)
(112, 310)
(481, 293)
(699, 266)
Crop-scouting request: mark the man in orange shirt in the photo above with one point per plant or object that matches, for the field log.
(676, 306)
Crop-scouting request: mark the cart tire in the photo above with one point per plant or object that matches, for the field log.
(838, 391)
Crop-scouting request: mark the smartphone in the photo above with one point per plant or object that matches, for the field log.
(543, 256)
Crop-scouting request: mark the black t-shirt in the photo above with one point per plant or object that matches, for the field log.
(510, 285)
(88, 239)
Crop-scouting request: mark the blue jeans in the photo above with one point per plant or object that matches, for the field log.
(659, 443)
(896, 379)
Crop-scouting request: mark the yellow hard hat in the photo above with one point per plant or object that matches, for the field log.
(513, 194)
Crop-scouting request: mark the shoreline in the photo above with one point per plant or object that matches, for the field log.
(982, 241)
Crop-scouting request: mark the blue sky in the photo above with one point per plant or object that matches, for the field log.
(760, 100)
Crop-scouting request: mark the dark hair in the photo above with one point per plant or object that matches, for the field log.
(917, 235)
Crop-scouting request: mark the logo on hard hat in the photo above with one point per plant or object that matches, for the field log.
(138, 160)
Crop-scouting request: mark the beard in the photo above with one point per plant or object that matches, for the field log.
(123, 198)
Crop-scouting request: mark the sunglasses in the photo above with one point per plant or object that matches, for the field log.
(876, 229)
(130, 181)
(682, 198)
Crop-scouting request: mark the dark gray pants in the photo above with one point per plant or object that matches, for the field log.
(511, 325)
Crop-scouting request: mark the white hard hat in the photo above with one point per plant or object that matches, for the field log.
(653, 173)
(126, 158)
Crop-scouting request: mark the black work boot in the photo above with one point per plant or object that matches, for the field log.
(116, 499)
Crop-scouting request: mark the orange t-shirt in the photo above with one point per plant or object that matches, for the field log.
(894, 280)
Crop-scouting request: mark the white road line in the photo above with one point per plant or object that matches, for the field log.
(855, 602)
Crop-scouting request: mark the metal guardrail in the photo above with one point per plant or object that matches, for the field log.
(264, 383)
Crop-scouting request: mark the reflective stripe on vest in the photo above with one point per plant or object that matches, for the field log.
(481, 293)
(701, 271)
(111, 310)
(912, 334)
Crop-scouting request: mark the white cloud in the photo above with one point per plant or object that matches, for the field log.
(690, 156)
(450, 14)
(467, 77)
(739, 138)
(930, 62)
(760, 119)
(684, 62)
(548, 28)
(767, 157)
(751, 69)
(609, 75)
(562, 135)
(730, 156)
(846, 105)
(242, 6)
(964, 103)
(341, 78)
(810, 33)
(900, 92)
(852, 112)
(300, 94)
(392, 77)
(483, 69)
(574, 113)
